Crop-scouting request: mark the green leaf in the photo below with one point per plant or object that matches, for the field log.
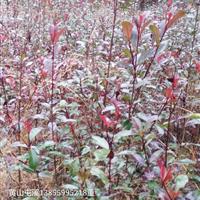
(27, 169)
(101, 154)
(181, 181)
(160, 130)
(149, 138)
(187, 161)
(2, 119)
(134, 37)
(85, 150)
(41, 116)
(122, 134)
(34, 132)
(18, 144)
(63, 119)
(139, 158)
(127, 124)
(3, 142)
(155, 155)
(33, 159)
(196, 178)
(126, 98)
(56, 153)
(193, 122)
(109, 108)
(156, 33)
(73, 166)
(144, 55)
(124, 188)
(153, 185)
(127, 53)
(125, 152)
(194, 116)
(163, 46)
(63, 103)
(48, 143)
(101, 142)
(100, 174)
(45, 174)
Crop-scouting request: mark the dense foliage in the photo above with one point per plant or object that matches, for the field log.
(100, 100)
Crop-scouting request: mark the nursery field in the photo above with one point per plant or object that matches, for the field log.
(99, 100)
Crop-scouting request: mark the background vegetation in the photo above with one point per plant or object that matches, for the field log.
(100, 97)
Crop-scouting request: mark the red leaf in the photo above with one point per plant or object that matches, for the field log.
(11, 81)
(53, 30)
(169, 15)
(197, 67)
(127, 29)
(169, 93)
(175, 54)
(160, 57)
(71, 126)
(141, 19)
(173, 194)
(43, 73)
(117, 109)
(111, 155)
(48, 2)
(165, 174)
(58, 34)
(169, 3)
(175, 18)
(161, 165)
(55, 33)
(2, 38)
(66, 16)
(10, 118)
(106, 121)
(175, 81)
(168, 176)
(28, 125)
